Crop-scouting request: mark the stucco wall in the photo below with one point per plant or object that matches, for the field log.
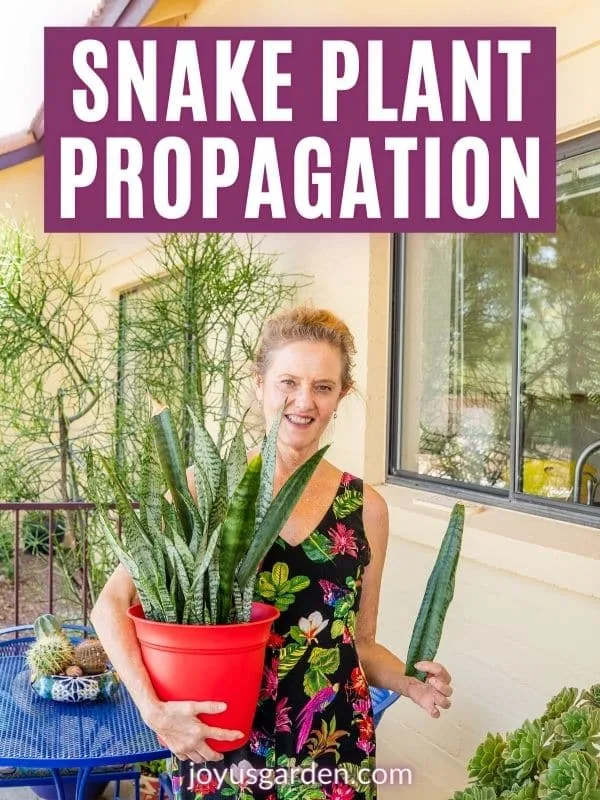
(527, 596)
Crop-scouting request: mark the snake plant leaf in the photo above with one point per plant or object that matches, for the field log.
(150, 490)
(170, 456)
(236, 534)
(133, 557)
(136, 534)
(277, 515)
(197, 544)
(427, 630)
(236, 460)
(151, 500)
(209, 471)
(206, 453)
(267, 478)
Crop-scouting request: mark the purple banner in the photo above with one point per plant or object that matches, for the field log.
(300, 129)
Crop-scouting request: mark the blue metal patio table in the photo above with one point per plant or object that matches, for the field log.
(44, 734)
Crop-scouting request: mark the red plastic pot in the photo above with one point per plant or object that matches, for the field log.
(209, 662)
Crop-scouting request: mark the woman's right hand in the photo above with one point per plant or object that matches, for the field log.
(176, 723)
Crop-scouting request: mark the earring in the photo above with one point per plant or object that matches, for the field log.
(335, 414)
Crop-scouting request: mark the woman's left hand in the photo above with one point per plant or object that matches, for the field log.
(431, 694)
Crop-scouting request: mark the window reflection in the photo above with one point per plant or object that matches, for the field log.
(457, 359)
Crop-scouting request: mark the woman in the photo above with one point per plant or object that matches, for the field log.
(314, 708)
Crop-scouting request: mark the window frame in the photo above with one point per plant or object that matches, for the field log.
(511, 498)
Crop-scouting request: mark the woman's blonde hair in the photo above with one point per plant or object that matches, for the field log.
(306, 324)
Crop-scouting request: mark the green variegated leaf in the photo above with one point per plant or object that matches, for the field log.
(150, 489)
(179, 569)
(284, 601)
(343, 606)
(203, 508)
(170, 456)
(236, 533)
(351, 622)
(289, 657)
(277, 515)
(325, 659)
(135, 553)
(318, 547)
(349, 501)
(296, 584)
(213, 586)
(337, 628)
(297, 635)
(427, 630)
(247, 597)
(219, 506)
(236, 461)
(314, 681)
(280, 574)
(207, 558)
(266, 587)
(267, 478)
(206, 454)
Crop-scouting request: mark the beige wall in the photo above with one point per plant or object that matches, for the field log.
(527, 596)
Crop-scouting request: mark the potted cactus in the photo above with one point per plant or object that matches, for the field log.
(194, 562)
(553, 757)
(66, 670)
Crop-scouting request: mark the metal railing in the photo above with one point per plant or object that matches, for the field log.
(52, 512)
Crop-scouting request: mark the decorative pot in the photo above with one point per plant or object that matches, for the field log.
(209, 662)
(66, 689)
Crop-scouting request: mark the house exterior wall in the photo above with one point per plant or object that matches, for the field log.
(527, 600)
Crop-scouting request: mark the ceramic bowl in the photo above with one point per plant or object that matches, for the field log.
(66, 689)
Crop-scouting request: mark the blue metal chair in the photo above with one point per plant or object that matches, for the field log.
(380, 698)
(32, 778)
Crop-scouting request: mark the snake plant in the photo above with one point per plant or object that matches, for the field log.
(427, 630)
(195, 561)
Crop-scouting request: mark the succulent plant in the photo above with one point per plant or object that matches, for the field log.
(486, 766)
(90, 656)
(50, 655)
(195, 561)
(571, 775)
(476, 793)
(524, 791)
(527, 750)
(554, 757)
(591, 697)
(579, 729)
(561, 702)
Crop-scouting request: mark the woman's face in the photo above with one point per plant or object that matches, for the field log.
(309, 375)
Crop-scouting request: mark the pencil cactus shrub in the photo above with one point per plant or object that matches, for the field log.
(553, 757)
(195, 561)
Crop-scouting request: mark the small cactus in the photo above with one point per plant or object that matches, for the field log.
(46, 624)
(50, 655)
(74, 671)
(90, 656)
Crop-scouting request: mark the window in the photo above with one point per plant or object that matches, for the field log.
(496, 355)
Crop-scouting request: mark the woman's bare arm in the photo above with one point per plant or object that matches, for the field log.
(383, 668)
(175, 722)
